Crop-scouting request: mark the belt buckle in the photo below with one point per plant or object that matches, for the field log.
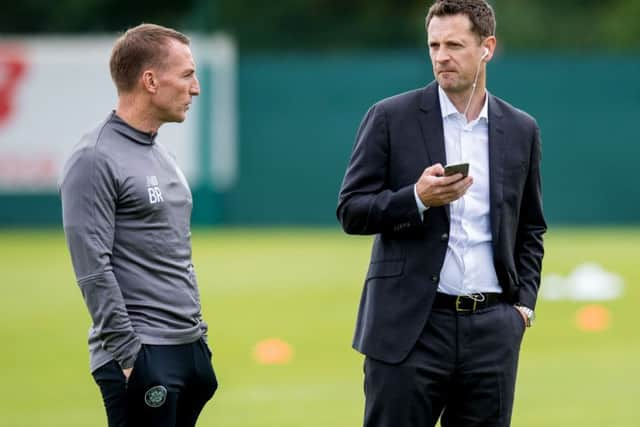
(464, 310)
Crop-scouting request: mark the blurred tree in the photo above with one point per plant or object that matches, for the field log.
(88, 16)
(322, 23)
(331, 24)
(573, 24)
(621, 24)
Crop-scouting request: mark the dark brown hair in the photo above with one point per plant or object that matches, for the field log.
(137, 49)
(479, 12)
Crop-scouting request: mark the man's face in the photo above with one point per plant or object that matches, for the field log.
(177, 83)
(455, 52)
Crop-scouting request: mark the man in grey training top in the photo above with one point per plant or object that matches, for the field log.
(126, 211)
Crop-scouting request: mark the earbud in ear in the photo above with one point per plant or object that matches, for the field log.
(485, 53)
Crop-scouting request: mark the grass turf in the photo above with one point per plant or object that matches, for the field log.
(303, 286)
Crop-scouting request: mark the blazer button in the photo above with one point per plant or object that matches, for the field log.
(434, 278)
(444, 237)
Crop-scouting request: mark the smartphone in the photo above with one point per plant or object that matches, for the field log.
(462, 168)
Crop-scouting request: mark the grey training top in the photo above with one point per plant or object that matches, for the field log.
(126, 210)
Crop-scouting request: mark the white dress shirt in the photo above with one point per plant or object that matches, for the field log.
(468, 264)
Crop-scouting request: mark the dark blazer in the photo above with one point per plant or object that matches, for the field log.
(398, 138)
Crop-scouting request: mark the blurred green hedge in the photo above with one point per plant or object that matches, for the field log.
(335, 24)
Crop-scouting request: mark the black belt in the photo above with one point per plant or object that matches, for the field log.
(466, 303)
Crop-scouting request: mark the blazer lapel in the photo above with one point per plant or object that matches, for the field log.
(497, 150)
(431, 126)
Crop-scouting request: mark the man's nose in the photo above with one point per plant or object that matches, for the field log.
(441, 55)
(195, 87)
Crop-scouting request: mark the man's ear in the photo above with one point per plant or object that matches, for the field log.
(150, 81)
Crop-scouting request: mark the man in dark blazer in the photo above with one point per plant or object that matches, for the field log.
(456, 260)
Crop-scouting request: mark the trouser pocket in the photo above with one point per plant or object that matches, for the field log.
(138, 367)
(113, 388)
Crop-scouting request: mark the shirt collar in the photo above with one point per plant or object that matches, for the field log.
(447, 108)
(132, 133)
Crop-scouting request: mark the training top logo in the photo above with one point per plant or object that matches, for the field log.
(155, 195)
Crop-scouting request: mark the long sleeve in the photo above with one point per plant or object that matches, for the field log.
(529, 244)
(89, 194)
(366, 203)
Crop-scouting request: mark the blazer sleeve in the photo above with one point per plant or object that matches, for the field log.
(367, 204)
(531, 227)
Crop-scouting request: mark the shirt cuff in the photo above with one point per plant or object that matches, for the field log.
(419, 204)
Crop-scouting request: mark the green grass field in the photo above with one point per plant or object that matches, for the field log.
(303, 286)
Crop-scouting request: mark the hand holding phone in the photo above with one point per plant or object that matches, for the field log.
(434, 190)
(461, 168)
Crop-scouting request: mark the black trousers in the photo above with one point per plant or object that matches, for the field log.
(168, 387)
(462, 370)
